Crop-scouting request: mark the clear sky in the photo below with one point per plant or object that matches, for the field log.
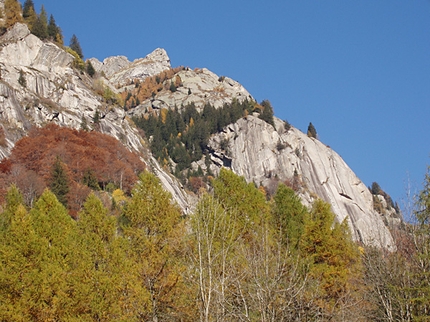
(359, 70)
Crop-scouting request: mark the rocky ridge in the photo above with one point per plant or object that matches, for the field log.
(199, 86)
(38, 85)
(120, 71)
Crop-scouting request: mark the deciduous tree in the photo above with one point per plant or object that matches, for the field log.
(154, 227)
(13, 13)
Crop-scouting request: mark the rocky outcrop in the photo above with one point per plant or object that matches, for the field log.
(38, 85)
(120, 71)
(259, 152)
(199, 86)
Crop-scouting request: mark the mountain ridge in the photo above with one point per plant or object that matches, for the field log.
(55, 92)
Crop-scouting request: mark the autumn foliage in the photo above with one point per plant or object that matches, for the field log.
(151, 86)
(90, 159)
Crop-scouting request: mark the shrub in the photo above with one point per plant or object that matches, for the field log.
(3, 141)
(21, 80)
(78, 63)
(172, 87)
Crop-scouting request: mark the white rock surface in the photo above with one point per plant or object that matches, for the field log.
(253, 152)
(200, 86)
(55, 92)
(120, 71)
(110, 65)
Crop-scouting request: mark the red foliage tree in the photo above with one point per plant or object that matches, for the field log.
(107, 159)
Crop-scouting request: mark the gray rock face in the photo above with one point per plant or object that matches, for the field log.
(51, 91)
(120, 71)
(199, 86)
(38, 85)
(259, 152)
(110, 65)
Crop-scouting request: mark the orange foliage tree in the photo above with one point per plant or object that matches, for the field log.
(108, 161)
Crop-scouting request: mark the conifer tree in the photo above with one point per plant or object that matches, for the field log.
(13, 13)
(59, 183)
(335, 260)
(40, 26)
(154, 227)
(27, 8)
(29, 13)
(312, 132)
(14, 198)
(38, 259)
(76, 46)
(267, 113)
(111, 290)
(52, 28)
(289, 215)
(90, 69)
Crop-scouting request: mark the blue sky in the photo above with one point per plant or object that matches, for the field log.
(358, 70)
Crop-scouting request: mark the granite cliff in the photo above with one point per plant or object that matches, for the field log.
(261, 153)
(39, 85)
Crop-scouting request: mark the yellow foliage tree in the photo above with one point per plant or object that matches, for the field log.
(154, 227)
(13, 13)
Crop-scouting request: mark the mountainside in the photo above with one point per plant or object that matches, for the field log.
(39, 85)
(259, 152)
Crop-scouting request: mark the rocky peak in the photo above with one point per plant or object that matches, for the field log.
(110, 65)
(17, 32)
(120, 71)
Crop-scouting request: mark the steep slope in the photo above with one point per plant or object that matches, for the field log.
(200, 87)
(38, 85)
(260, 153)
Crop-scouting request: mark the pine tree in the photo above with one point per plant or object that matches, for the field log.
(96, 117)
(90, 69)
(27, 8)
(52, 28)
(75, 46)
(312, 132)
(59, 183)
(29, 13)
(13, 13)
(40, 26)
(267, 113)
